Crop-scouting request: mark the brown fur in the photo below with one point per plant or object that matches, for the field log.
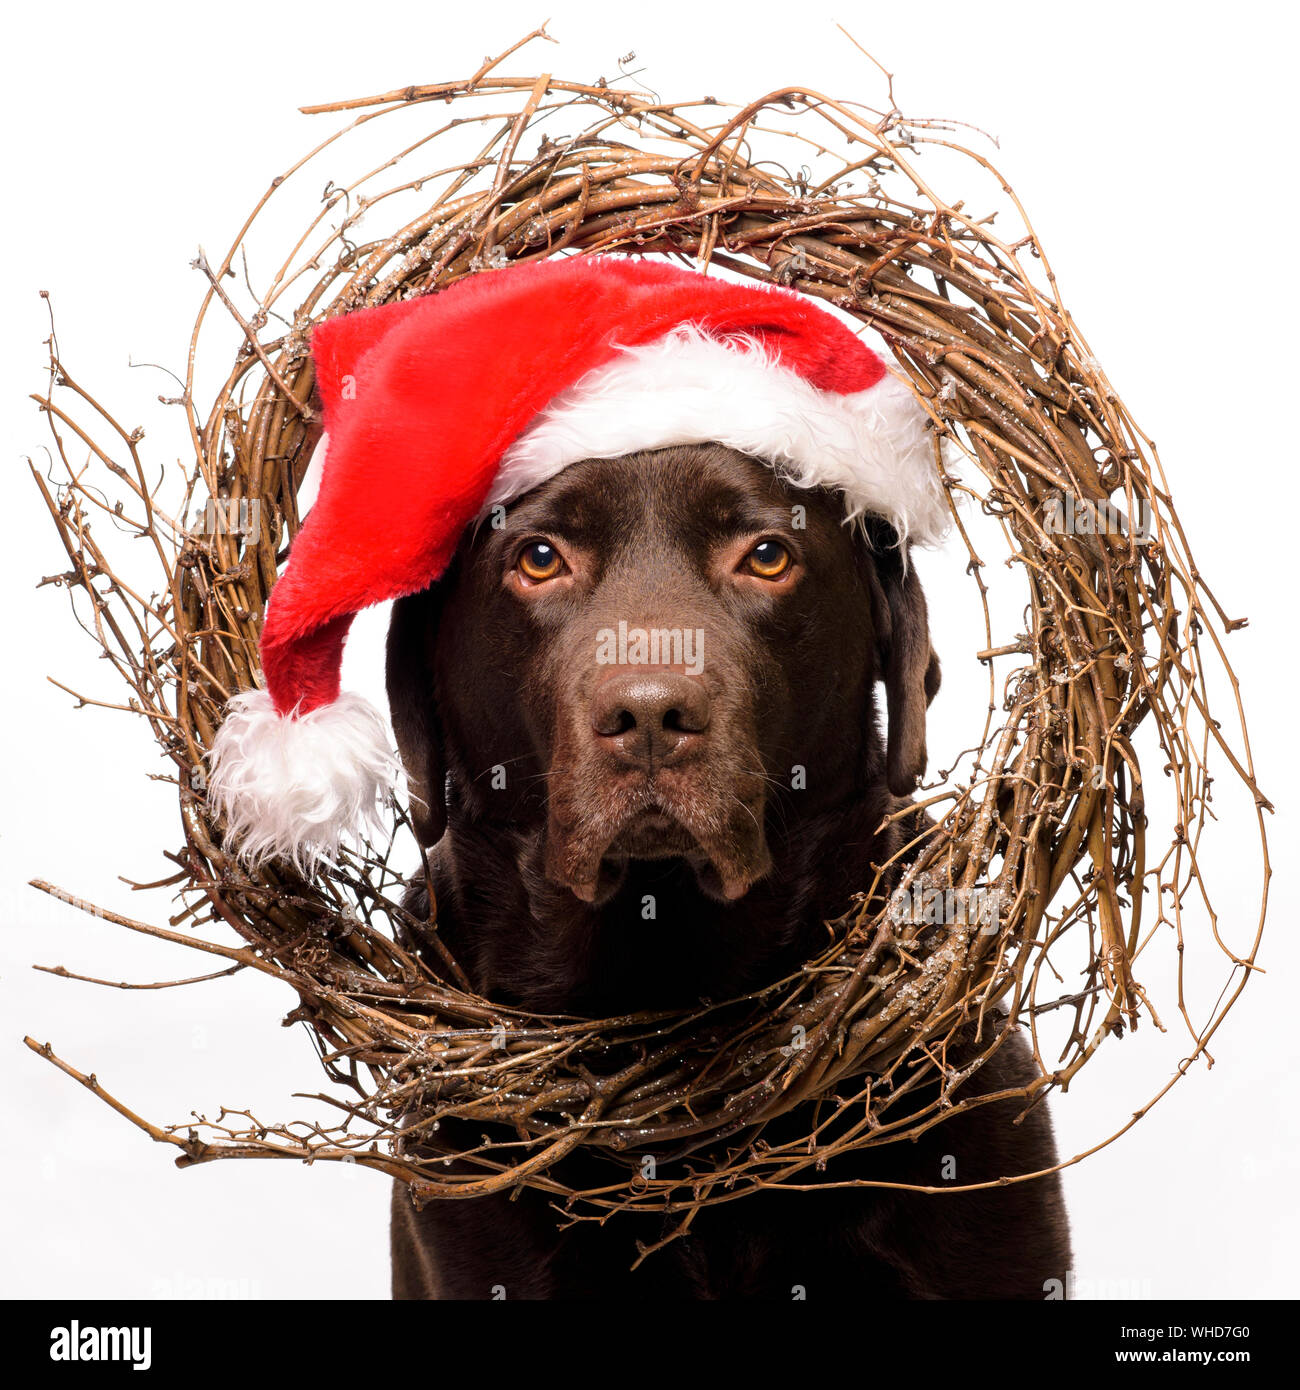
(623, 783)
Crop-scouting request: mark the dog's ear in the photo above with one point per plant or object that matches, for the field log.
(908, 664)
(415, 719)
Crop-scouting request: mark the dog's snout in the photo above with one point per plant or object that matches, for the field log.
(645, 717)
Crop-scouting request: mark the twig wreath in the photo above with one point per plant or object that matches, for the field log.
(1121, 631)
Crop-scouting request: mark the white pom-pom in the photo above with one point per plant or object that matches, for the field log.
(295, 787)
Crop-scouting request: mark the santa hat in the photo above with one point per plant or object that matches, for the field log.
(438, 408)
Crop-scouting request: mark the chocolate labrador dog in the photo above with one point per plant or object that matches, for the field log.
(655, 681)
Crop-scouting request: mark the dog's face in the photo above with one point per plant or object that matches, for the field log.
(664, 656)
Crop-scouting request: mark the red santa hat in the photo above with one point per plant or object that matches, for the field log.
(439, 408)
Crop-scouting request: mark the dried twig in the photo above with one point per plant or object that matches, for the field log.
(1053, 813)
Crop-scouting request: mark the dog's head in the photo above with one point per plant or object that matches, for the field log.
(669, 655)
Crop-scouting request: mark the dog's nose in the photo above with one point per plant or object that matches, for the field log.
(644, 717)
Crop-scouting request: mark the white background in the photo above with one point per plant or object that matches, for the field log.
(1153, 147)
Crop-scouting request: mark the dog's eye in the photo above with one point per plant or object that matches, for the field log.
(768, 560)
(538, 561)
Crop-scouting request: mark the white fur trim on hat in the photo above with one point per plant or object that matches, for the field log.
(293, 787)
(872, 446)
